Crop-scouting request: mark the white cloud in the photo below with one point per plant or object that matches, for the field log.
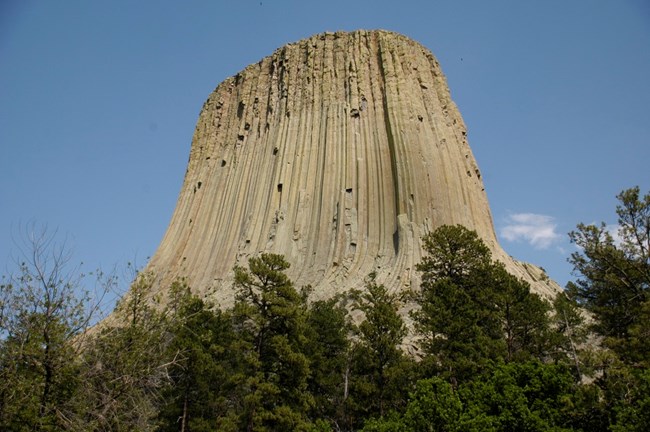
(615, 232)
(538, 230)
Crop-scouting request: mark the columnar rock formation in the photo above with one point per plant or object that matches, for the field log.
(339, 151)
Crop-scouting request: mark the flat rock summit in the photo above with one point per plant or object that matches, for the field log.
(339, 151)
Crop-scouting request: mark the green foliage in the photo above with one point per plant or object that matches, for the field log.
(472, 311)
(528, 396)
(38, 372)
(270, 317)
(617, 398)
(328, 350)
(568, 331)
(523, 315)
(616, 276)
(196, 395)
(44, 311)
(125, 365)
(393, 422)
(614, 286)
(454, 253)
(379, 369)
(633, 414)
(493, 356)
(433, 406)
(456, 322)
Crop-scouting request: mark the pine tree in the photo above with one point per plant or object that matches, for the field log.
(269, 315)
(328, 350)
(380, 369)
(472, 312)
(614, 286)
(458, 321)
(523, 315)
(615, 282)
(569, 331)
(196, 396)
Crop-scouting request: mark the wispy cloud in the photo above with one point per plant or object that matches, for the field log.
(538, 230)
(615, 231)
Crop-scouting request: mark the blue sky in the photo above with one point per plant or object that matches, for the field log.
(98, 103)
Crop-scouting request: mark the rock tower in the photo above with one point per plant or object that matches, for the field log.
(340, 152)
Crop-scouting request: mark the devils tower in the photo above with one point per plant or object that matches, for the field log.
(340, 152)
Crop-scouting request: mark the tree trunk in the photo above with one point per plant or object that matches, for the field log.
(184, 418)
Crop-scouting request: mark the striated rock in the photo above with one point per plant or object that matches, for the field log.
(339, 151)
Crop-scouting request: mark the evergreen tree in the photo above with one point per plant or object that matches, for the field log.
(269, 315)
(633, 414)
(380, 369)
(614, 286)
(197, 393)
(458, 321)
(569, 331)
(615, 276)
(455, 253)
(524, 316)
(328, 350)
(472, 311)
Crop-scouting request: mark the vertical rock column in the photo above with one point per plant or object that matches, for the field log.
(339, 151)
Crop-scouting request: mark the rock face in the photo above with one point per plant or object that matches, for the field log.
(339, 151)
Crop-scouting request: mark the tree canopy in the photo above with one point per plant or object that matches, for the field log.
(614, 269)
(485, 353)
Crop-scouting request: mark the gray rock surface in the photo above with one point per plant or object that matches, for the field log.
(339, 151)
